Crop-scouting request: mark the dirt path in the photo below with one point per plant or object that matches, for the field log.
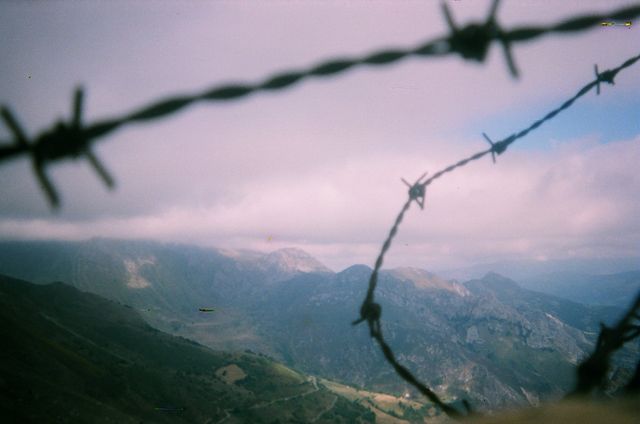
(313, 381)
(284, 399)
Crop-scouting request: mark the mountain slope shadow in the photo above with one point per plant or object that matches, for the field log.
(70, 356)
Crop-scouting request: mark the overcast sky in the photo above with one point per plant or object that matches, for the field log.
(318, 166)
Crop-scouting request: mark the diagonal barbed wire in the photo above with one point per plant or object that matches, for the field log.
(71, 139)
(371, 311)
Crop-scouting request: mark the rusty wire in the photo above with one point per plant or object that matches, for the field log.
(73, 139)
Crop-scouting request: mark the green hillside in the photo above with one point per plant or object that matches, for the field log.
(70, 356)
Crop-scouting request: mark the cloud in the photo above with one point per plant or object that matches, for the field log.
(319, 165)
(556, 203)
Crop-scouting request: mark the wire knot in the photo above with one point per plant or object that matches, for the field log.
(370, 312)
(60, 141)
(417, 190)
(606, 76)
(473, 41)
(498, 147)
(64, 139)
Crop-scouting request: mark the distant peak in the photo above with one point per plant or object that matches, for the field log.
(291, 251)
(239, 254)
(292, 259)
(424, 279)
(357, 268)
(410, 270)
(493, 281)
(494, 277)
(358, 273)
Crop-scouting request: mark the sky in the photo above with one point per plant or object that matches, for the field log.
(319, 166)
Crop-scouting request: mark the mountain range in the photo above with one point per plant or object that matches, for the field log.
(598, 281)
(487, 340)
(72, 356)
(617, 289)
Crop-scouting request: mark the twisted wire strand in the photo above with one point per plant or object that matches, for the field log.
(371, 311)
(471, 42)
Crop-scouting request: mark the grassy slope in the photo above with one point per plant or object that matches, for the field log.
(73, 356)
(388, 409)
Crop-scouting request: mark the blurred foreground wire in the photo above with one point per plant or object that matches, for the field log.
(73, 139)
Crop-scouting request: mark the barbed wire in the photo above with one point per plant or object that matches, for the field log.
(72, 139)
(371, 311)
(593, 370)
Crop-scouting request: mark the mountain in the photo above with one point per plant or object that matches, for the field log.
(483, 340)
(286, 263)
(168, 283)
(70, 356)
(487, 339)
(582, 317)
(519, 270)
(423, 279)
(617, 289)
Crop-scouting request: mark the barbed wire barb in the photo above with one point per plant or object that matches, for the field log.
(417, 190)
(20, 139)
(76, 130)
(499, 147)
(473, 41)
(65, 139)
(606, 76)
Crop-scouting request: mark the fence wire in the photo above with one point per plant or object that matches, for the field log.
(371, 311)
(592, 371)
(72, 139)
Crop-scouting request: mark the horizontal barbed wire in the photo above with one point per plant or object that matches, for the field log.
(371, 311)
(72, 139)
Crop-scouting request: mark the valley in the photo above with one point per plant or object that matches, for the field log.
(486, 340)
(70, 356)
